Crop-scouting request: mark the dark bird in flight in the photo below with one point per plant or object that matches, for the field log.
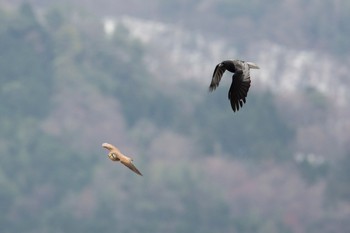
(240, 80)
(115, 155)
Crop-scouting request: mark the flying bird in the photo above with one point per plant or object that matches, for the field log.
(115, 155)
(240, 80)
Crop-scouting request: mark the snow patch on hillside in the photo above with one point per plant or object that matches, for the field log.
(175, 54)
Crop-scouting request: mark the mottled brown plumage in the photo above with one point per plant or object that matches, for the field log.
(115, 155)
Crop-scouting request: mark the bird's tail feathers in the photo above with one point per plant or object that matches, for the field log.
(253, 65)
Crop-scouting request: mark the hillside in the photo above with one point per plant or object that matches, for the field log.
(278, 165)
(315, 25)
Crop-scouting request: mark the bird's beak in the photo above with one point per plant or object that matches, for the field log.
(253, 65)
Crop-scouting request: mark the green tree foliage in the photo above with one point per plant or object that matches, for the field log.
(256, 130)
(117, 67)
(36, 172)
(338, 188)
(26, 71)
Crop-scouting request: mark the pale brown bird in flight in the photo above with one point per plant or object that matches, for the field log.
(240, 80)
(115, 155)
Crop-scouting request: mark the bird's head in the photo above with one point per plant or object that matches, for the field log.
(253, 65)
(107, 146)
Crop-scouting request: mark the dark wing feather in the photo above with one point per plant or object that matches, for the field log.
(239, 90)
(217, 75)
(132, 167)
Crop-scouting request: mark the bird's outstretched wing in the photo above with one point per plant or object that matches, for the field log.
(239, 89)
(115, 150)
(132, 167)
(217, 75)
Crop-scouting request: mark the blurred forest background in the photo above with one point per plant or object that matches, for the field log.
(77, 73)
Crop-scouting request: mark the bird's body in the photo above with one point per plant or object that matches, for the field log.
(115, 155)
(240, 80)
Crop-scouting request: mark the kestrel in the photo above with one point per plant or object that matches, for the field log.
(115, 155)
(240, 80)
